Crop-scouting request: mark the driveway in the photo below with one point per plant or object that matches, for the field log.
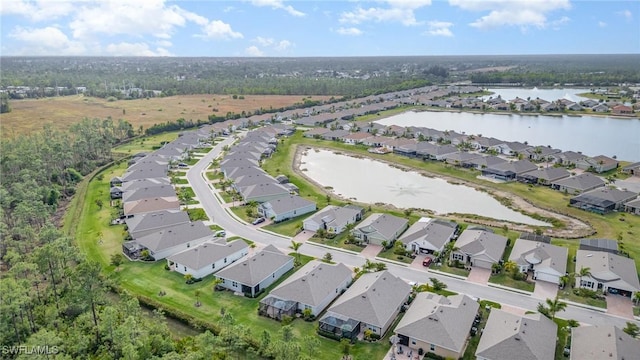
(479, 275)
(545, 290)
(371, 251)
(303, 236)
(417, 262)
(619, 305)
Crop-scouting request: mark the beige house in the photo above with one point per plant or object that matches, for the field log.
(438, 324)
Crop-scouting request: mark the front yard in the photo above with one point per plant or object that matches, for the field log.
(338, 241)
(289, 227)
(444, 267)
(508, 281)
(568, 294)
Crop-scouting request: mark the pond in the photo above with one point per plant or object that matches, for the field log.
(371, 181)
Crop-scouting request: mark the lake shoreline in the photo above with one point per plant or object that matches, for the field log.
(574, 228)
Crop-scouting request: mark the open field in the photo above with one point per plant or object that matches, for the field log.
(31, 115)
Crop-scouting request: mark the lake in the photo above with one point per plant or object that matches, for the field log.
(591, 135)
(371, 181)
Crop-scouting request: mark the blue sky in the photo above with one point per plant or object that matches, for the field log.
(318, 28)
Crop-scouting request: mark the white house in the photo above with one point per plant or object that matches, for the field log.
(608, 272)
(252, 275)
(286, 207)
(334, 219)
(208, 258)
(547, 262)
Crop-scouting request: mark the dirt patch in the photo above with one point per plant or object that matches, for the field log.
(574, 228)
(32, 114)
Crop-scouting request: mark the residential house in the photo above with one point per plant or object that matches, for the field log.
(145, 173)
(379, 228)
(608, 245)
(435, 152)
(597, 164)
(602, 342)
(632, 169)
(437, 324)
(547, 262)
(263, 192)
(316, 132)
(428, 235)
(589, 103)
(622, 110)
(508, 171)
(148, 192)
(633, 206)
(208, 257)
(603, 200)
(578, 184)
(461, 158)
(143, 183)
(608, 272)
(172, 240)
(151, 205)
(600, 108)
(356, 138)
(371, 303)
(483, 162)
(508, 336)
(480, 248)
(335, 135)
(512, 148)
(286, 207)
(312, 287)
(145, 224)
(568, 158)
(333, 219)
(541, 153)
(254, 274)
(544, 176)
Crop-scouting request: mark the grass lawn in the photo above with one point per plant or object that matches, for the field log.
(289, 227)
(472, 345)
(146, 143)
(178, 173)
(567, 294)
(562, 337)
(179, 181)
(241, 212)
(636, 311)
(450, 269)
(215, 227)
(338, 241)
(506, 280)
(212, 176)
(388, 254)
(196, 214)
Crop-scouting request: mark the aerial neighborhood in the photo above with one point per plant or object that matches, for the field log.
(360, 303)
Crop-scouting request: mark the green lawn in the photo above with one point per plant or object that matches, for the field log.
(388, 254)
(506, 280)
(215, 227)
(450, 269)
(567, 294)
(241, 212)
(196, 214)
(289, 227)
(338, 241)
(212, 175)
(179, 181)
(178, 173)
(472, 345)
(562, 337)
(146, 143)
(636, 311)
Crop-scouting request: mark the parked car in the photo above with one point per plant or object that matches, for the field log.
(259, 220)
(220, 233)
(427, 262)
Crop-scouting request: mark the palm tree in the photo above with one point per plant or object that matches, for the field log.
(636, 298)
(573, 323)
(197, 295)
(552, 308)
(296, 246)
(510, 266)
(216, 282)
(584, 272)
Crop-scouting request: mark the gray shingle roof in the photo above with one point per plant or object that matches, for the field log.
(438, 320)
(603, 342)
(582, 182)
(143, 224)
(435, 232)
(334, 216)
(312, 283)
(208, 253)
(373, 298)
(610, 268)
(258, 190)
(549, 174)
(517, 167)
(507, 336)
(287, 203)
(142, 183)
(476, 242)
(385, 224)
(151, 205)
(526, 252)
(175, 235)
(148, 192)
(607, 194)
(487, 161)
(253, 270)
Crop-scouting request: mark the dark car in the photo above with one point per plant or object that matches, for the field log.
(259, 220)
(427, 261)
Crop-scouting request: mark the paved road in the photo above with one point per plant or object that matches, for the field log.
(218, 214)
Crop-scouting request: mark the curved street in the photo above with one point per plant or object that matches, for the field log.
(218, 214)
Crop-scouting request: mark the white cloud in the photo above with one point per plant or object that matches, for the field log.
(219, 30)
(253, 51)
(45, 41)
(557, 24)
(278, 4)
(439, 28)
(164, 43)
(264, 41)
(626, 14)
(351, 31)
(283, 45)
(37, 10)
(512, 12)
(602, 24)
(402, 11)
(134, 49)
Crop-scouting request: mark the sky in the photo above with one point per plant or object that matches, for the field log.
(276, 28)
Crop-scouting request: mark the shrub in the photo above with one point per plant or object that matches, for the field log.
(286, 320)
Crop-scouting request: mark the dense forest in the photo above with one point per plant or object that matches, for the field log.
(125, 78)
